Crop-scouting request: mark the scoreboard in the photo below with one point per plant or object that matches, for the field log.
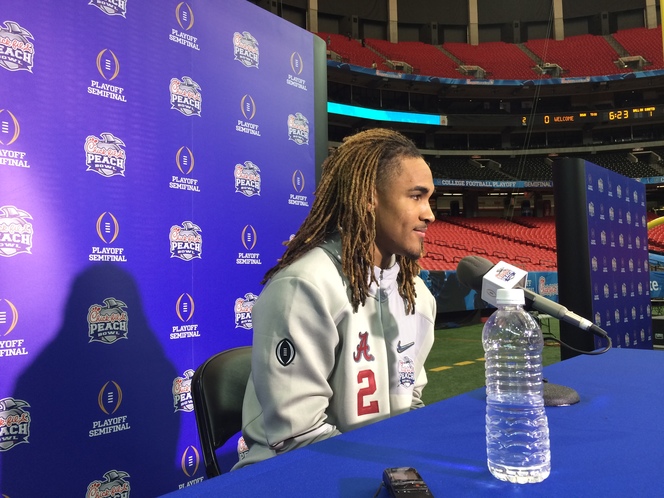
(635, 115)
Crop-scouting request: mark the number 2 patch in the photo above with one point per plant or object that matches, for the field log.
(285, 352)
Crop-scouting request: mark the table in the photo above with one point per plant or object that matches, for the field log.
(609, 444)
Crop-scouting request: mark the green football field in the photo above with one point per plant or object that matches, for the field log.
(456, 362)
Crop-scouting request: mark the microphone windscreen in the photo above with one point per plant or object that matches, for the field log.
(471, 271)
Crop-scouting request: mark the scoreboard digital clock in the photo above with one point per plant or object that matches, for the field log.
(633, 113)
(626, 114)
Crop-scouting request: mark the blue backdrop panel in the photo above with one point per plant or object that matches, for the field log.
(154, 156)
(602, 239)
(618, 241)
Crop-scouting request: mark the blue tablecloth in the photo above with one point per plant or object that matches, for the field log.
(609, 444)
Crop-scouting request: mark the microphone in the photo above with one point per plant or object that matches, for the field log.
(483, 276)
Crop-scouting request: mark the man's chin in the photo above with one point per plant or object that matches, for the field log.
(414, 256)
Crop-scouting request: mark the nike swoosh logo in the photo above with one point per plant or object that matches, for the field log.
(401, 349)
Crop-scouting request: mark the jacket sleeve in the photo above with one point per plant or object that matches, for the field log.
(294, 354)
(426, 305)
(420, 382)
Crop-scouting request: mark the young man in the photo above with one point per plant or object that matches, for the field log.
(344, 324)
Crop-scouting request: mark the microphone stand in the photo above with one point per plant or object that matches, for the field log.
(556, 394)
(472, 272)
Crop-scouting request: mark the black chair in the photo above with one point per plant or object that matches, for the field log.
(218, 387)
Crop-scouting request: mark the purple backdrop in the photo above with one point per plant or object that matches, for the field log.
(618, 250)
(154, 156)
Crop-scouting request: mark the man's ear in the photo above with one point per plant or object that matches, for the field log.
(373, 202)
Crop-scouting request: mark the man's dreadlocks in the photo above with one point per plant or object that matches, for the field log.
(363, 164)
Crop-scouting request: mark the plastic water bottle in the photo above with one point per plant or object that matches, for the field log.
(517, 431)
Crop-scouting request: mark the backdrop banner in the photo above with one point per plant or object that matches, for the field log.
(154, 157)
(603, 258)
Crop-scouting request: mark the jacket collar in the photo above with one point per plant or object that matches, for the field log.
(387, 277)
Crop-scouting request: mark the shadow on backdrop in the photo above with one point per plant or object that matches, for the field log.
(100, 402)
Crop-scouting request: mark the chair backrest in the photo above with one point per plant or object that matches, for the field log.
(218, 387)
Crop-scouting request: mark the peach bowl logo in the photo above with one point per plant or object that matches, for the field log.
(105, 155)
(182, 400)
(10, 128)
(17, 53)
(298, 129)
(111, 7)
(406, 372)
(243, 307)
(184, 15)
(109, 322)
(245, 49)
(15, 231)
(108, 65)
(14, 423)
(247, 179)
(190, 461)
(186, 96)
(8, 317)
(186, 242)
(114, 485)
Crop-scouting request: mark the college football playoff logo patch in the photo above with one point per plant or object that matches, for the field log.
(285, 352)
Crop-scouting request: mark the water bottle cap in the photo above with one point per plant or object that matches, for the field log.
(510, 296)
